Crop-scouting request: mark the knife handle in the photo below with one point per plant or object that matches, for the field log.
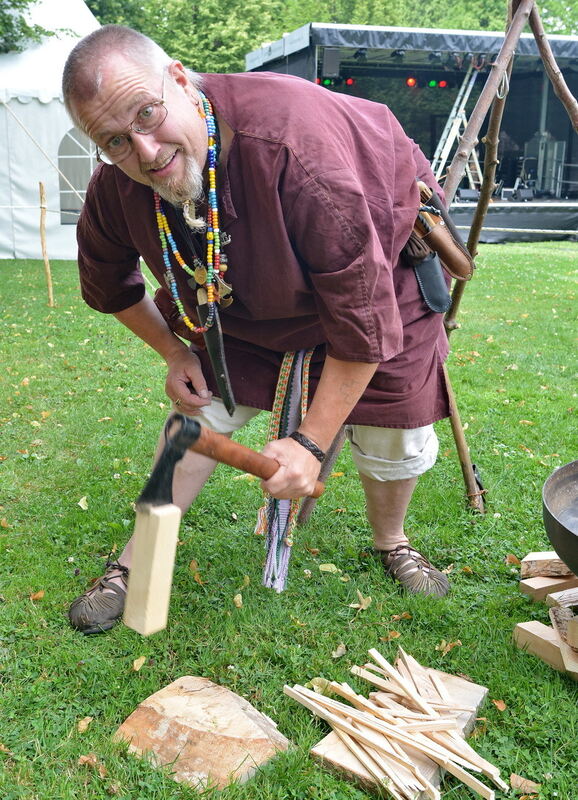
(221, 448)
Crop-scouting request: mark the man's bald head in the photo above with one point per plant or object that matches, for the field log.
(83, 71)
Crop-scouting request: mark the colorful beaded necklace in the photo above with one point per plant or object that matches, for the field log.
(215, 267)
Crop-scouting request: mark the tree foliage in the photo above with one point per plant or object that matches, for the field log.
(15, 31)
(215, 35)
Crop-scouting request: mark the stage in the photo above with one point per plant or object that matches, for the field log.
(531, 221)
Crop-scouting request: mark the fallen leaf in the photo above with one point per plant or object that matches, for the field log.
(345, 578)
(4, 749)
(526, 422)
(313, 550)
(246, 582)
(89, 761)
(92, 761)
(445, 647)
(298, 622)
(500, 705)
(448, 569)
(523, 784)
(25, 381)
(403, 615)
(194, 567)
(329, 568)
(364, 602)
(337, 474)
(468, 570)
(339, 651)
(512, 559)
(105, 419)
(37, 595)
(234, 516)
(390, 636)
(45, 414)
(83, 503)
(113, 789)
(83, 724)
(529, 797)
(4, 523)
(238, 600)
(319, 685)
(138, 663)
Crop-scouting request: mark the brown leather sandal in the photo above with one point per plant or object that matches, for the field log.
(413, 571)
(97, 611)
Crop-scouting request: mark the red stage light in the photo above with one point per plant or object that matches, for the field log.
(443, 84)
(411, 81)
(350, 81)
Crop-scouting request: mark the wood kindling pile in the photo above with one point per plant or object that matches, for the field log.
(409, 717)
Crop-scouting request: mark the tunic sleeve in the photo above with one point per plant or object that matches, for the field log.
(110, 277)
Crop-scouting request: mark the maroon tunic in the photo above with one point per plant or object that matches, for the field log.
(318, 196)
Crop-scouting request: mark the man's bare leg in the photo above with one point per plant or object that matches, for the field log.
(387, 503)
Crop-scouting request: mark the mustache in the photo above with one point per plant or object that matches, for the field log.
(160, 161)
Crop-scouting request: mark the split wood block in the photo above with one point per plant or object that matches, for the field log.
(150, 579)
(560, 618)
(206, 734)
(572, 632)
(334, 755)
(566, 598)
(547, 564)
(538, 588)
(541, 641)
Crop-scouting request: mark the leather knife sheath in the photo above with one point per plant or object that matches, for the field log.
(213, 337)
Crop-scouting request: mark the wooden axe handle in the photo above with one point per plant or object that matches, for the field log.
(225, 450)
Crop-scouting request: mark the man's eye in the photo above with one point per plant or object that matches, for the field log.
(115, 143)
(146, 112)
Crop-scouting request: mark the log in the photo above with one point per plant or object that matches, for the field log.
(565, 598)
(546, 564)
(560, 618)
(572, 632)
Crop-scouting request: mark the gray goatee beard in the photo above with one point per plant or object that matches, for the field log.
(186, 193)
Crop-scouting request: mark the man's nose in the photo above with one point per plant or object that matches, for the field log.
(145, 146)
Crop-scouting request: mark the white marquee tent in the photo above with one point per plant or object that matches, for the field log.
(38, 142)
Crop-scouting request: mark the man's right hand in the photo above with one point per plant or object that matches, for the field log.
(185, 383)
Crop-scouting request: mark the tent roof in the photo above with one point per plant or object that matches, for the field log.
(37, 72)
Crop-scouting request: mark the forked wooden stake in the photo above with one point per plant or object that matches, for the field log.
(157, 520)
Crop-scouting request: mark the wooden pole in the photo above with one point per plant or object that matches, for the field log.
(469, 138)
(47, 271)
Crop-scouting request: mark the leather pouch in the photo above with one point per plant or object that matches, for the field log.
(441, 235)
(432, 284)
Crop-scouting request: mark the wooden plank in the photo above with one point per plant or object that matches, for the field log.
(547, 564)
(540, 640)
(538, 588)
(151, 575)
(335, 756)
(566, 598)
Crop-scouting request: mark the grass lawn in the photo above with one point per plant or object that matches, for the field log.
(81, 405)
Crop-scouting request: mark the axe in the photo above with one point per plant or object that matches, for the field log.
(157, 519)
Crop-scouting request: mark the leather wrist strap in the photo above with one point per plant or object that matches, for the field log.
(308, 445)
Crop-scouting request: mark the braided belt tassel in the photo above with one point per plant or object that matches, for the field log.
(276, 519)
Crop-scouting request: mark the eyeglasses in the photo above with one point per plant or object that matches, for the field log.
(150, 117)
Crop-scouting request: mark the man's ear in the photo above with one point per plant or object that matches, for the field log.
(178, 73)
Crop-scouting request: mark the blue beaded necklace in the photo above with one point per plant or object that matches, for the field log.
(215, 265)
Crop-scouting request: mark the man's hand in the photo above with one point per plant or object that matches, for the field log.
(297, 473)
(185, 383)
